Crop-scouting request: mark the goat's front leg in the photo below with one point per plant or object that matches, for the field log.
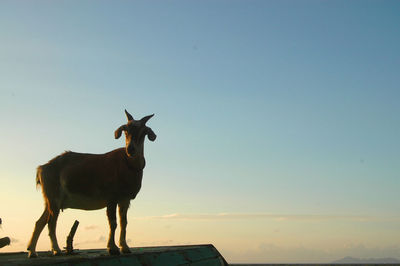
(112, 220)
(123, 221)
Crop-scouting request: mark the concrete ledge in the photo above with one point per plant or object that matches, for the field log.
(196, 255)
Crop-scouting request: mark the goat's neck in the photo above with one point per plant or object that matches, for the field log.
(137, 162)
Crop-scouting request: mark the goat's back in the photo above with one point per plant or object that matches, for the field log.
(96, 177)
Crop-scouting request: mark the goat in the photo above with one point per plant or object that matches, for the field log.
(94, 181)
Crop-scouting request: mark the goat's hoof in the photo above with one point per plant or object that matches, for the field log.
(32, 254)
(113, 251)
(57, 252)
(125, 250)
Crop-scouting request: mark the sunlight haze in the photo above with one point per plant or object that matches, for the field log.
(277, 122)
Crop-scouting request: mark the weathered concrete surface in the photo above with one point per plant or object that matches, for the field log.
(196, 255)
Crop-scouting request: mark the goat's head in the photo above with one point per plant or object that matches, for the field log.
(135, 131)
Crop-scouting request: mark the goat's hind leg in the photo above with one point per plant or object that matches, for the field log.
(39, 225)
(52, 224)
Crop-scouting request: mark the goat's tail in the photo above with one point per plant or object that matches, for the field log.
(50, 187)
(38, 177)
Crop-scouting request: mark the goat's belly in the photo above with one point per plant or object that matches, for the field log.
(75, 201)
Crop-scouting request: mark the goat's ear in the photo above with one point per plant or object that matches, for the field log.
(150, 134)
(128, 115)
(146, 118)
(118, 132)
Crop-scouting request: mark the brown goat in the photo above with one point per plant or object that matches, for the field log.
(94, 181)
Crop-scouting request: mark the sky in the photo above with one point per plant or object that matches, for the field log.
(277, 121)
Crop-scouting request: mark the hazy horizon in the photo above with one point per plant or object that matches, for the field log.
(277, 121)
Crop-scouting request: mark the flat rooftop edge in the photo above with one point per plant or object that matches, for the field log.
(195, 255)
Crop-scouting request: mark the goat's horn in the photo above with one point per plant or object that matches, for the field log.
(146, 118)
(128, 115)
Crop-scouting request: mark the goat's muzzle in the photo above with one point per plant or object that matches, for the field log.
(130, 150)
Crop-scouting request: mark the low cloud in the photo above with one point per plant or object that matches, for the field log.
(277, 217)
(100, 239)
(14, 240)
(163, 242)
(91, 227)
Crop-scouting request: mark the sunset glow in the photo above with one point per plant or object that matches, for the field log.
(277, 122)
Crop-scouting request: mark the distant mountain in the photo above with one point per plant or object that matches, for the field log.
(350, 260)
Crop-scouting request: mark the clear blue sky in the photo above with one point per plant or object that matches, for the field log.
(261, 108)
